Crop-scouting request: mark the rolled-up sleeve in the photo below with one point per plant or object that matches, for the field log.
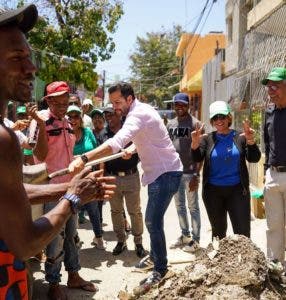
(129, 130)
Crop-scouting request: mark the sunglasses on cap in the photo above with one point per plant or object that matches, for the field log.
(219, 117)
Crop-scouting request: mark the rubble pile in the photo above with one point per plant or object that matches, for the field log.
(232, 268)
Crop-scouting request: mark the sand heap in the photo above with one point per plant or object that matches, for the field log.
(232, 268)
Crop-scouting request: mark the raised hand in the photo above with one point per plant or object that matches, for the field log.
(20, 125)
(248, 132)
(91, 186)
(196, 136)
(33, 112)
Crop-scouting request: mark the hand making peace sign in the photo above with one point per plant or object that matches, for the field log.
(196, 136)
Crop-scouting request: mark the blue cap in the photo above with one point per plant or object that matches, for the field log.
(182, 98)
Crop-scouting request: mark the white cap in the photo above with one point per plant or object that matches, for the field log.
(87, 102)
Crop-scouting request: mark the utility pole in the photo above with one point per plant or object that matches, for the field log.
(103, 87)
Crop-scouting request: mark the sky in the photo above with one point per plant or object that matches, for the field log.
(142, 16)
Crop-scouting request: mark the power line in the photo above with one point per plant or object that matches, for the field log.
(198, 36)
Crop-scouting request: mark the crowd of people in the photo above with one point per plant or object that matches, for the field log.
(71, 132)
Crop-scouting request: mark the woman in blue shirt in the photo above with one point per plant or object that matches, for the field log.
(225, 175)
(85, 141)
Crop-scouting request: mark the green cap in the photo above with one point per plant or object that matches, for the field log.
(219, 108)
(21, 110)
(73, 108)
(276, 74)
(96, 111)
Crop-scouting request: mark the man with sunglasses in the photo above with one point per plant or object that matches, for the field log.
(54, 146)
(275, 163)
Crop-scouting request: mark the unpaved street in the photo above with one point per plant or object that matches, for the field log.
(115, 273)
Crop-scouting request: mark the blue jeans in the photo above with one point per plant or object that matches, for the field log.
(94, 217)
(193, 205)
(160, 193)
(62, 248)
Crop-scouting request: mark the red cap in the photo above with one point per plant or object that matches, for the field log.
(57, 88)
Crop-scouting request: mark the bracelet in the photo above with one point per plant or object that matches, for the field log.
(84, 158)
(74, 201)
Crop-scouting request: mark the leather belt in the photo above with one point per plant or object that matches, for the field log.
(278, 168)
(123, 173)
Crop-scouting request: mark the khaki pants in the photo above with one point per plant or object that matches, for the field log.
(275, 208)
(128, 188)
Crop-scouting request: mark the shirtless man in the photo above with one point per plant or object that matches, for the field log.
(20, 237)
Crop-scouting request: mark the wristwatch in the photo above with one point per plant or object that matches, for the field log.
(84, 158)
(196, 174)
(74, 202)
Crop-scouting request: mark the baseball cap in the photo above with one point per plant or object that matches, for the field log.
(87, 102)
(219, 108)
(21, 110)
(24, 17)
(73, 108)
(276, 74)
(181, 97)
(96, 111)
(108, 109)
(57, 88)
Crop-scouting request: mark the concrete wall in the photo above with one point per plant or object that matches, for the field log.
(261, 11)
(236, 27)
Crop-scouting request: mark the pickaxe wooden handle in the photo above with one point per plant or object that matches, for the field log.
(91, 163)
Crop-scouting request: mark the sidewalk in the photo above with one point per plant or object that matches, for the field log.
(114, 273)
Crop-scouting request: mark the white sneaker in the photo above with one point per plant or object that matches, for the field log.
(181, 241)
(192, 247)
(99, 243)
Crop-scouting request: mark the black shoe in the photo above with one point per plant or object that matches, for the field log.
(119, 248)
(140, 251)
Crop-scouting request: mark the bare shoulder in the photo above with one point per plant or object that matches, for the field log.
(10, 152)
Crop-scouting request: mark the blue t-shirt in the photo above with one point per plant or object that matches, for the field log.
(224, 163)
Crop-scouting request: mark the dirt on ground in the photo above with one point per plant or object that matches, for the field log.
(232, 268)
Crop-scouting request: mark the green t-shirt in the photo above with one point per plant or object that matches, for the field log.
(86, 143)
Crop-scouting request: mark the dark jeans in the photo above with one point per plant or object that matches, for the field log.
(94, 217)
(220, 200)
(160, 193)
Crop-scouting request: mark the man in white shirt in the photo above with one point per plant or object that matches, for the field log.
(160, 162)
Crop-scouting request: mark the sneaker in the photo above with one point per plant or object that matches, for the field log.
(119, 248)
(140, 251)
(99, 243)
(192, 247)
(181, 241)
(154, 278)
(145, 263)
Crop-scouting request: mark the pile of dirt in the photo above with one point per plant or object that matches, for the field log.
(232, 268)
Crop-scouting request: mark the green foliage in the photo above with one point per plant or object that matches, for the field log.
(71, 36)
(155, 66)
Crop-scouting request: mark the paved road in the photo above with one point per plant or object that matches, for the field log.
(115, 273)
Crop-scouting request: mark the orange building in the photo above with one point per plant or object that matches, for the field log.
(195, 51)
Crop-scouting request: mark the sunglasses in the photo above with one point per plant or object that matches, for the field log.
(74, 117)
(219, 117)
(272, 87)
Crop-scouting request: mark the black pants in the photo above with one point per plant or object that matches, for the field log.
(220, 200)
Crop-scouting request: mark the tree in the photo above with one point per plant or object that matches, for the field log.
(71, 36)
(155, 66)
